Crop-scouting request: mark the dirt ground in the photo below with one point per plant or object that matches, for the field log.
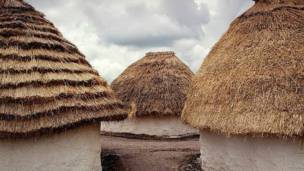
(129, 154)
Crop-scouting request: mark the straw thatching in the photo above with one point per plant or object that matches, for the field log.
(155, 85)
(252, 82)
(46, 84)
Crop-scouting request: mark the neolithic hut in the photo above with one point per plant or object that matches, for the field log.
(46, 88)
(155, 88)
(247, 98)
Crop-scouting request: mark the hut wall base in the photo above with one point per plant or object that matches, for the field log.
(168, 127)
(219, 153)
(74, 150)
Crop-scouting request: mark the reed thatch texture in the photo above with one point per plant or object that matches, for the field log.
(252, 82)
(46, 84)
(155, 85)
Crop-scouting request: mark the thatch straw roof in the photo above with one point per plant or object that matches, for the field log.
(252, 82)
(45, 82)
(156, 85)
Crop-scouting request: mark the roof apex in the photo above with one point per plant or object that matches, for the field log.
(160, 53)
(280, 1)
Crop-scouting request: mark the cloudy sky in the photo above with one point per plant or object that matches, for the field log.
(115, 33)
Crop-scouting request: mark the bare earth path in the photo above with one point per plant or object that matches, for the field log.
(149, 155)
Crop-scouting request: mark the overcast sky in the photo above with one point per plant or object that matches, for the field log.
(115, 33)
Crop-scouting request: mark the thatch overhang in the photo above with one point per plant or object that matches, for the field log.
(46, 84)
(156, 85)
(251, 83)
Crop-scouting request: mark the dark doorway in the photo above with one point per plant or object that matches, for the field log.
(110, 161)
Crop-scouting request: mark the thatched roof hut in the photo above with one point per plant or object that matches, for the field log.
(46, 85)
(155, 88)
(251, 83)
(156, 85)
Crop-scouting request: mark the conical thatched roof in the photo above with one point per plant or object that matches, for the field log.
(45, 82)
(156, 85)
(252, 82)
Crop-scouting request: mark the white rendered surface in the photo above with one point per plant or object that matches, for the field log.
(219, 153)
(152, 126)
(75, 150)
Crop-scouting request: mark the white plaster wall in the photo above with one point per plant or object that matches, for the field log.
(171, 127)
(219, 153)
(75, 150)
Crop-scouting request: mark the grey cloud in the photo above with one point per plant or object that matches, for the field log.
(144, 41)
(115, 33)
(187, 13)
(45, 4)
(141, 25)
